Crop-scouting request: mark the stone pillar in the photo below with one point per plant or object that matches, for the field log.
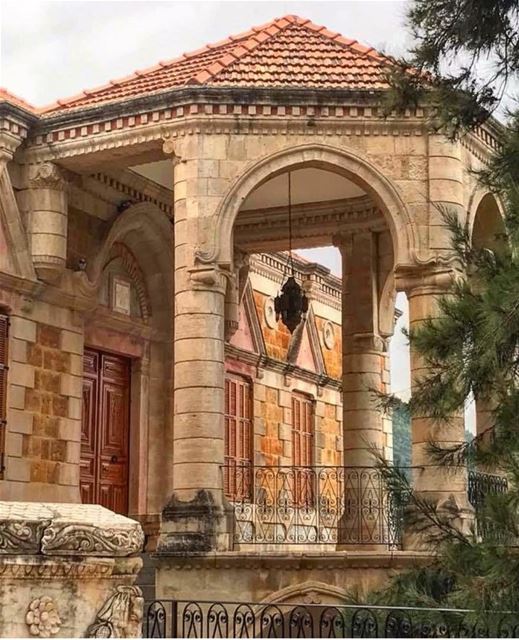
(364, 522)
(196, 517)
(48, 221)
(438, 484)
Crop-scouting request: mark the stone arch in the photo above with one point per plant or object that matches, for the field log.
(342, 161)
(131, 265)
(146, 233)
(485, 219)
(309, 592)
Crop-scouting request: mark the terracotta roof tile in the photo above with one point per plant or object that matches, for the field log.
(7, 96)
(287, 52)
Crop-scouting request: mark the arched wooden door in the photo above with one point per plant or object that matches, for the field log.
(105, 430)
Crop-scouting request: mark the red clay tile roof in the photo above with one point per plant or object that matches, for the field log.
(287, 52)
(7, 96)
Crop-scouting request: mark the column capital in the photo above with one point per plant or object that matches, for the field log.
(434, 278)
(210, 277)
(47, 175)
(365, 343)
(171, 148)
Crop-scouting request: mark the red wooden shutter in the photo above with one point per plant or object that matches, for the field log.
(302, 448)
(238, 438)
(4, 341)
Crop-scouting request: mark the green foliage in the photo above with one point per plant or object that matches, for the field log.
(472, 348)
(401, 436)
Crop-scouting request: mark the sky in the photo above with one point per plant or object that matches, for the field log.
(51, 50)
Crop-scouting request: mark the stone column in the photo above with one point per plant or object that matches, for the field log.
(48, 221)
(196, 516)
(364, 522)
(437, 484)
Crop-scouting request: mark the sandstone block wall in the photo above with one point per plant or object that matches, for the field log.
(43, 404)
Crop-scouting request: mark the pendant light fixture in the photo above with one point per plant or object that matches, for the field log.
(291, 303)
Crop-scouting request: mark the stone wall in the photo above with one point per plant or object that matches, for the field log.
(43, 403)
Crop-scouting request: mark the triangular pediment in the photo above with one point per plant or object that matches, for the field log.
(305, 350)
(248, 335)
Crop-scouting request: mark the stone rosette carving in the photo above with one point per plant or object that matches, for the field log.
(269, 313)
(71, 539)
(120, 616)
(328, 335)
(42, 617)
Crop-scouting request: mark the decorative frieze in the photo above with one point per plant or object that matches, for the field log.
(67, 529)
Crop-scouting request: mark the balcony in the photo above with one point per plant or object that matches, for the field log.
(318, 505)
(325, 505)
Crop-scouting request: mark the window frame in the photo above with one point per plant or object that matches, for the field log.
(238, 469)
(304, 480)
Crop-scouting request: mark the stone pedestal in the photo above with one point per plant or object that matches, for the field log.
(68, 570)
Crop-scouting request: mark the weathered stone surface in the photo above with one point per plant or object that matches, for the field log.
(120, 616)
(67, 529)
(65, 571)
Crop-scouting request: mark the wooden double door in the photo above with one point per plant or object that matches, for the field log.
(105, 430)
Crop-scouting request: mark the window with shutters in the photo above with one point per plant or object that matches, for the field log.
(238, 438)
(303, 449)
(4, 336)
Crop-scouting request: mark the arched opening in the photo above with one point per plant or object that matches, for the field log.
(354, 169)
(487, 233)
(127, 366)
(488, 225)
(316, 448)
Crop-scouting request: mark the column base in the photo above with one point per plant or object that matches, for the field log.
(199, 525)
(460, 513)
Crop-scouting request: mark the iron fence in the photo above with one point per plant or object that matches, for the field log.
(204, 619)
(479, 486)
(313, 505)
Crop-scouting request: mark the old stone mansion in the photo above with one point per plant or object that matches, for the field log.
(146, 228)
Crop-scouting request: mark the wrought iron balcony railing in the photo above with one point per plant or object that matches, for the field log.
(313, 505)
(480, 485)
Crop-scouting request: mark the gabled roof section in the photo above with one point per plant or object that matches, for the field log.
(289, 52)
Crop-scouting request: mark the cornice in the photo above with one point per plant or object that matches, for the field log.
(144, 130)
(136, 188)
(256, 229)
(171, 98)
(290, 560)
(265, 362)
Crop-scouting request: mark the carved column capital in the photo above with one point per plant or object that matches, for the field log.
(432, 279)
(210, 277)
(47, 175)
(171, 148)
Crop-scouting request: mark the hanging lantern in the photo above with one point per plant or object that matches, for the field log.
(291, 303)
